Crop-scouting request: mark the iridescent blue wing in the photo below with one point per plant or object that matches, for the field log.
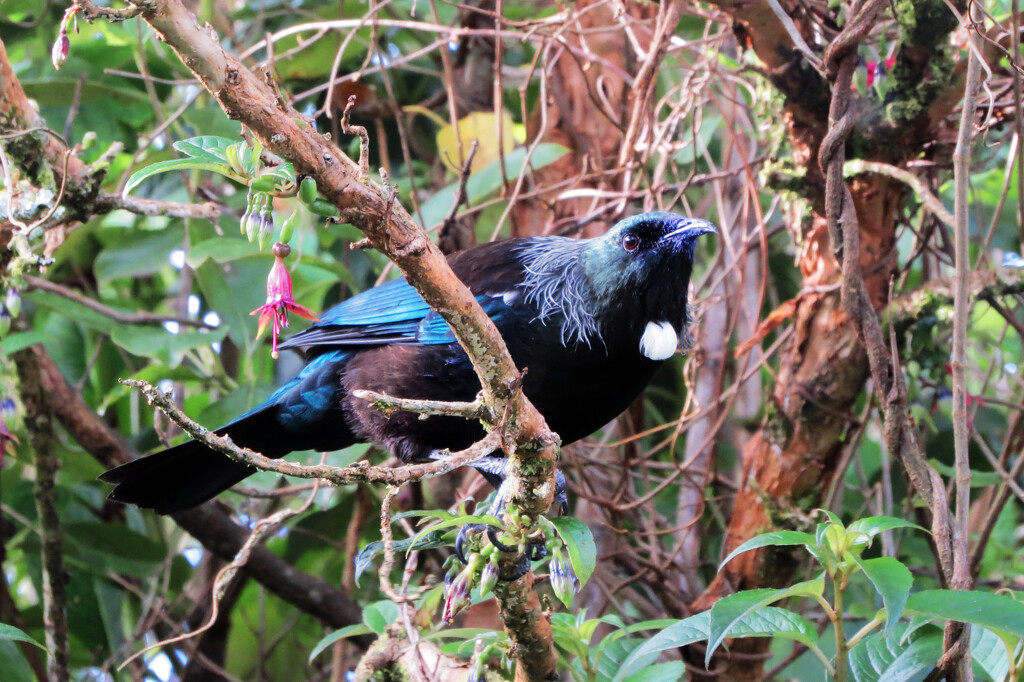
(392, 313)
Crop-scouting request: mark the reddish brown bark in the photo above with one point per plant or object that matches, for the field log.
(585, 110)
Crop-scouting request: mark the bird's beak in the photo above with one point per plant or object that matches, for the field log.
(691, 228)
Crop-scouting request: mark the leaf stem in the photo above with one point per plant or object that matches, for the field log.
(875, 622)
(842, 646)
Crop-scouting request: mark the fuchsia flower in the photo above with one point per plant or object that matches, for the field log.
(279, 299)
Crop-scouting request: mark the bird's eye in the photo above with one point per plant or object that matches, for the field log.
(631, 242)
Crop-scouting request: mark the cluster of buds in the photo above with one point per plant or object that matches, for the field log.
(9, 310)
(280, 300)
(258, 220)
(6, 410)
(563, 580)
(62, 46)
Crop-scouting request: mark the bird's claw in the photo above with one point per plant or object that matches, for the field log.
(464, 536)
(492, 535)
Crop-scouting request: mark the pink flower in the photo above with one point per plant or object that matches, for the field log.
(279, 299)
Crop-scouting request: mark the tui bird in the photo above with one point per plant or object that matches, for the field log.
(590, 321)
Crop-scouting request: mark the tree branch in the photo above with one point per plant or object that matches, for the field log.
(249, 99)
(39, 422)
(214, 530)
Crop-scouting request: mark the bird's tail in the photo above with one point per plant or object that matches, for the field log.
(304, 414)
(188, 474)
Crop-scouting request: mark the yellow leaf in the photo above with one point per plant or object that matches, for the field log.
(480, 126)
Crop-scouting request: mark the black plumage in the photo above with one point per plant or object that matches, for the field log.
(590, 321)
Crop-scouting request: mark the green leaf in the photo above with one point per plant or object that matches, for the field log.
(14, 634)
(348, 631)
(489, 179)
(772, 621)
(224, 299)
(13, 666)
(159, 344)
(873, 525)
(379, 615)
(881, 656)
(729, 610)
(663, 672)
(72, 310)
(769, 621)
(686, 631)
(18, 340)
(993, 611)
(208, 148)
(779, 538)
(367, 554)
(176, 164)
(579, 544)
(979, 479)
(221, 250)
(892, 580)
(456, 521)
(138, 253)
(991, 653)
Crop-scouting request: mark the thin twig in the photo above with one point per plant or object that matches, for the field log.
(140, 317)
(364, 139)
(361, 471)
(386, 404)
(961, 579)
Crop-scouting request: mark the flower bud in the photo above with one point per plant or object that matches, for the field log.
(266, 229)
(61, 47)
(489, 576)
(457, 594)
(13, 302)
(288, 228)
(563, 581)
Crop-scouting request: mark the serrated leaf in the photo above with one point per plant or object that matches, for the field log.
(993, 611)
(348, 631)
(579, 545)
(893, 581)
(881, 656)
(779, 538)
(14, 634)
(729, 610)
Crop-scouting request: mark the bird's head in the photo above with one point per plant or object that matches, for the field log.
(645, 250)
(636, 272)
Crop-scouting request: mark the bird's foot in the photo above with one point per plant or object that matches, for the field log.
(495, 470)
(560, 493)
(464, 539)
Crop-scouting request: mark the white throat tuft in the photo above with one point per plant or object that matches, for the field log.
(659, 341)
